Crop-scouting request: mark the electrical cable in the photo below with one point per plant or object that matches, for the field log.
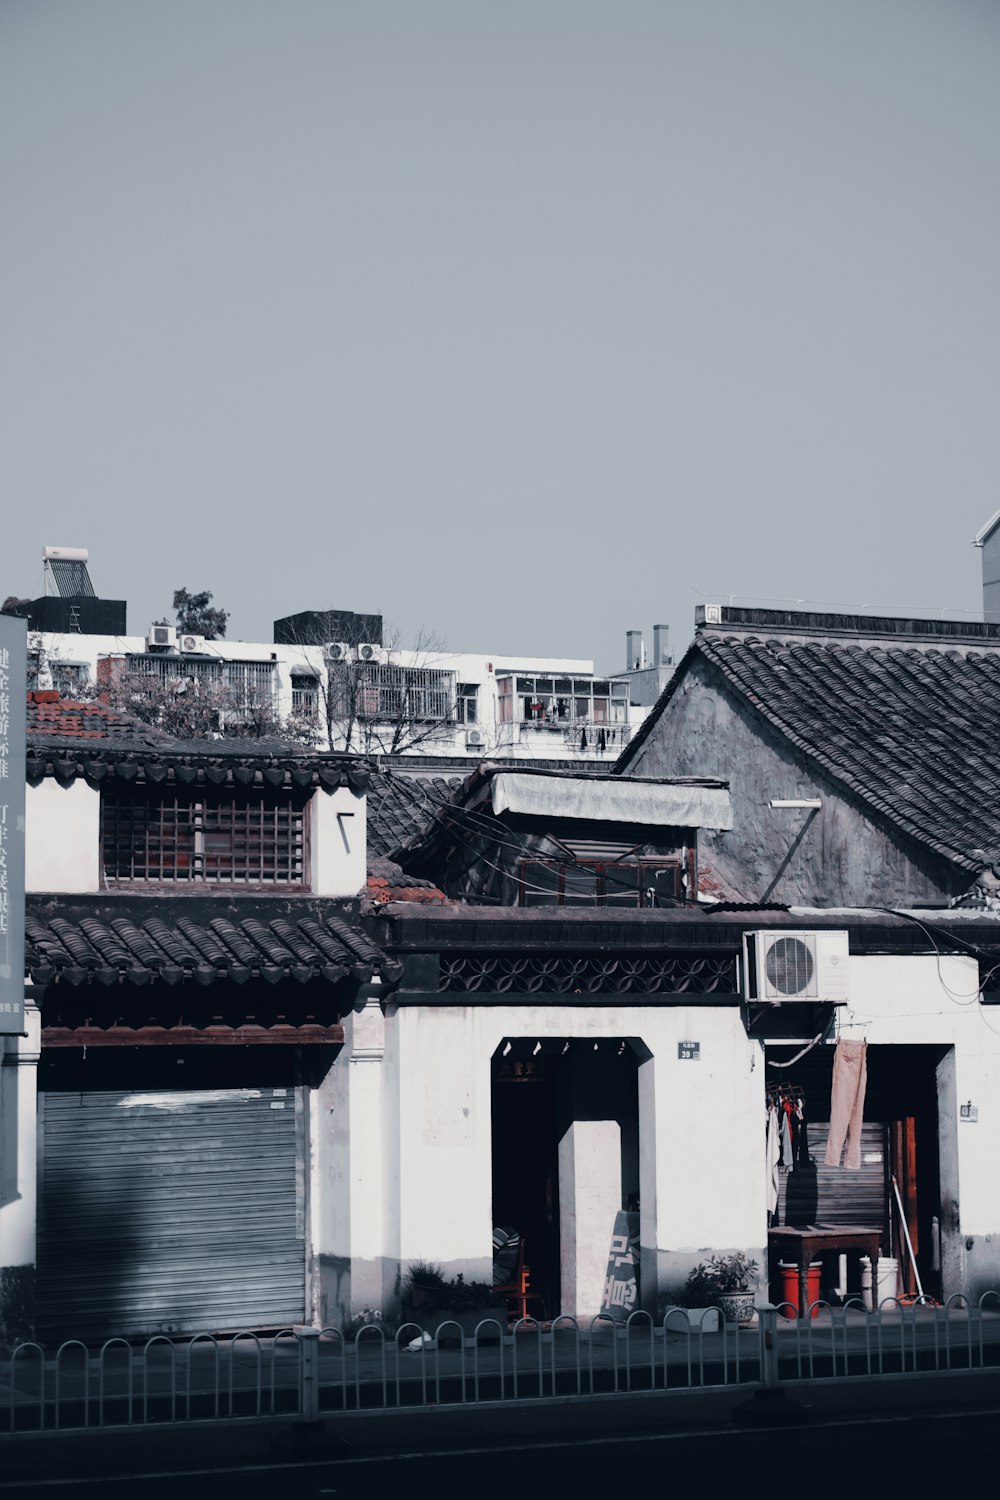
(452, 812)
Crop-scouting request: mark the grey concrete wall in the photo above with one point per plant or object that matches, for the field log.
(991, 578)
(835, 856)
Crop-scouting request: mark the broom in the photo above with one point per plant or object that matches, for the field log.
(908, 1298)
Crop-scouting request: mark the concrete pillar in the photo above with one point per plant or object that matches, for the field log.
(347, 1176)
(590, 1194)
(18, 1177)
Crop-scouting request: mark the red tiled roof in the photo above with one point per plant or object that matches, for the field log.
(51, 714)
(387, 882)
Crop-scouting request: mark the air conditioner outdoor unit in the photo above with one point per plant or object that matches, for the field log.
(161, 635)
(783, 967)
(474, 739)
(368, 651)
(336, 651)
(190, 643)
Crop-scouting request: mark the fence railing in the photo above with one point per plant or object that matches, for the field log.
(312, 1373)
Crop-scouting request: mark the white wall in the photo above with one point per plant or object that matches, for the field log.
(931, 1001)
(18, 1174)
(702, 1181)
(338, 842)
(62, 837)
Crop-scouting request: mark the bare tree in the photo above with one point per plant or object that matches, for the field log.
(374, 698)
(195, 701)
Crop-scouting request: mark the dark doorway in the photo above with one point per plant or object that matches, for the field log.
(900, 1140)
(539, 1089)
(525, 1164)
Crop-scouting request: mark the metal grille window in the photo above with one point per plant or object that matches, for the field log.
(221, 838)
(380, 691)
(305, 695)
(599, 883)
(250, 684)
(235, 688)
(67, 677)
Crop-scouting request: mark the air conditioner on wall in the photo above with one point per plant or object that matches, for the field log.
(369, 651)
(191, 643)
(781, 968)
(336, 651)
(474, 739)
(161, 635)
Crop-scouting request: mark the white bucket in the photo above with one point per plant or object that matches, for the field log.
(888, 1279)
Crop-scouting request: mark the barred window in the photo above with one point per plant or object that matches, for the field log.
(213, 838)
(599, 883)
(378, 690)
(305, 695)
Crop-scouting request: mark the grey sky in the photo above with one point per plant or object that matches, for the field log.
(528, 320)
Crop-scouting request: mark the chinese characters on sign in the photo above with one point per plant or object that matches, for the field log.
(12, 715)
(621, 1285)
(689, 1051)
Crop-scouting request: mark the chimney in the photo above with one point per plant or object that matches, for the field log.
(634, 653)
(661, 646)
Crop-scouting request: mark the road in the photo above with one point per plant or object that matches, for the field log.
(830, 1455)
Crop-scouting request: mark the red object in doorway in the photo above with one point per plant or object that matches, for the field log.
(790, 1288)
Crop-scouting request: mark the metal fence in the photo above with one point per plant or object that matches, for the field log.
(311, 1373)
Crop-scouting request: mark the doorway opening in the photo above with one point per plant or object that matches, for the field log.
(900, 1139)
(540, 1089)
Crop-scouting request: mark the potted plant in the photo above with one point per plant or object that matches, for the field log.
(469, 1303)
(726, 1282)
(422, 1287)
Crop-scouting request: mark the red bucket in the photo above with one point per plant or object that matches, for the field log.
(790, 1287)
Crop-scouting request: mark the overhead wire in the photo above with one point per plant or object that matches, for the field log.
(454, 813)
(480, 822)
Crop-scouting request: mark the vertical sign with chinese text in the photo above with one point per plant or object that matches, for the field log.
(13, 681)
(621, 1284)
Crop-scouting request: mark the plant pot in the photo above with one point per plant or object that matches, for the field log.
(683, 1321)
(464, 1325)
(736, 1307)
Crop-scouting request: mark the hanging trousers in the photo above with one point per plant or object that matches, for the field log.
(847, 1103)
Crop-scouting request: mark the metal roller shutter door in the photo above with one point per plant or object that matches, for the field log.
(170, 1212)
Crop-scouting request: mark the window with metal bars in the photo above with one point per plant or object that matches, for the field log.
(599, 883)
(247, 838)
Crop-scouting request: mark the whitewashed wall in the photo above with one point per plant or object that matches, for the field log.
(62, 837)
(428, 1134)
(923, 1000)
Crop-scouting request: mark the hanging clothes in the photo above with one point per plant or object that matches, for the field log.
(801, 1134)
(773, 1157)
(787, 1157)
(847, 1104)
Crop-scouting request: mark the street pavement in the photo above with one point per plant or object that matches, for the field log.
(916, 1430)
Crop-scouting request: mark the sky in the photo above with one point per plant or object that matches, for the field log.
(523, 322)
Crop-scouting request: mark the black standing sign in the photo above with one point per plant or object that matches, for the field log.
(13, 681)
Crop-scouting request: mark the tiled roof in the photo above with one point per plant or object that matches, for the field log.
(49, 714)
(912, 731)
(401, 806)
(181, 941)
(387, 882)
(67, 739)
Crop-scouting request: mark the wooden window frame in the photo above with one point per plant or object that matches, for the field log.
(175, 839)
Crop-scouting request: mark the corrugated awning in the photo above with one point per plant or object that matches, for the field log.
(613, 800)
